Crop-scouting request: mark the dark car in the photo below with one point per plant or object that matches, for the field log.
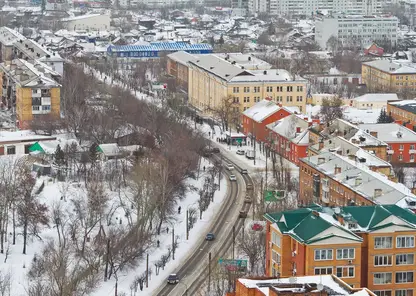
(243, 214)
(244, 171)
(173, 279)
(210, 237)
(215, 150)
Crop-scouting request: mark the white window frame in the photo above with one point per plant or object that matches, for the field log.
(405, 237)
(326, 268)
(276, 240)
(277, 256)
(406, 273)
(348, 268)
(407, 254)
(385, 239)
(402, 292)
(383, 292)
(383, 258)
(326, 256)
(348, 254)
(385, 277)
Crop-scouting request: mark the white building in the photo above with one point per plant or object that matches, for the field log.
(88, 22)
(356, 29)
(373, 101)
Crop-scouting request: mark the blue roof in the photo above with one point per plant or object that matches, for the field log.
(160, 46)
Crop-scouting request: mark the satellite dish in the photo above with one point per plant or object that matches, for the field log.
(320, 287)
(337, 210)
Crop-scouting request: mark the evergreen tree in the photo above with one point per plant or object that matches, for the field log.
(93, 153)
(384, 117)
(221, 40)
(59, 159)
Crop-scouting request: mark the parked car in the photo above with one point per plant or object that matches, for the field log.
(240, 152)
(233, 178)
(248, 199)
(210, 237)
(249, 186)
(173, 279)
(250, 154)
(215, 150)
(244, 171)
(257, 227)
(229, 167)
(243, 214)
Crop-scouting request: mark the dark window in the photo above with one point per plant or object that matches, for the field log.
(11, 150)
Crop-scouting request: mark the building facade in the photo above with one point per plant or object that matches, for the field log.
(367, 246)
(389, 76)
(403, 111)
(356, 30)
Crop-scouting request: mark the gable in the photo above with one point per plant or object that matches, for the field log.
(391, 229)
(335, 231)
(393, 220)
(333, 240)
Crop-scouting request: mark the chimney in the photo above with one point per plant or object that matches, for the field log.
(321, 160)
(354, 141)
(358, 181)
(374, 134)
(315, 213)
(265, 72)
(337, 170)
(378, 192)
(321, 144)
(298, 129)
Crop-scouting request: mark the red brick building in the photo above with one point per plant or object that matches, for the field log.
(256, 118)
(401, 141)
(374, 50)
(289, 137)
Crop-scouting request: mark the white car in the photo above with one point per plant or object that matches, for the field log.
(229, 167)
(240, 152)
(233, 178)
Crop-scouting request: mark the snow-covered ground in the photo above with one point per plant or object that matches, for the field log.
(18, 264)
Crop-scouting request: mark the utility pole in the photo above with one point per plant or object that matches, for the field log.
(233, 241)
(147, 270)
(187, 224)
(107, 260)
(209, 272)
(173, 243)
(262, 195)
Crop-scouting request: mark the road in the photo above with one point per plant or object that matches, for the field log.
(196, 266)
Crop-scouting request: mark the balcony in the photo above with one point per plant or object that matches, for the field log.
(36, 94)
(390, 151)
(325, 198)
(412, 151)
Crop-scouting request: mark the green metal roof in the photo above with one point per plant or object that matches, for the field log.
(36, 147)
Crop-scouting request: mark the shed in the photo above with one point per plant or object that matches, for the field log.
(109, 151)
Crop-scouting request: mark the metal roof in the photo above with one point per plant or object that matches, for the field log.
(160, 46)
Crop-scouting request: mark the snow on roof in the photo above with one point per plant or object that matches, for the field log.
(274, 75)
(111, 149)
(80, 17)
(404, 103)
(262, 110)
(18, 136)
(9, 36)
(182, 57)
(327, 281)
(377, 98)
(392, 67)
(289, 126)
(390, 132)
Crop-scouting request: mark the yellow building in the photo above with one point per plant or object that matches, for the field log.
(388, 76)
(32, 89)
(213, 79)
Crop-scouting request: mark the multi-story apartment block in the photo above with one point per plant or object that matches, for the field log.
(335, 180)
(403, 112)
(389, 76)
(8, 38)
(316, 285)
(365, 246)
(401, 141)
(213, 80)
(356, 30)
(31, 89)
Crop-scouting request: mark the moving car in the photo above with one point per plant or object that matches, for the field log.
(210, 237)
(173, 279)
(215, 150)
(233, 178)
(230, 167)
(242, 214)
(250, 154)
(240, 152)
(257, 227)
(244, 171)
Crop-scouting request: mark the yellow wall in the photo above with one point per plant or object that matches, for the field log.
(55, 102)
(376, 79)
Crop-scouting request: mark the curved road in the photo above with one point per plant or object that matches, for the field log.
(192, 266)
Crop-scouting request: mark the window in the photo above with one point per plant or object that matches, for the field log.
(257, 89)
(405, 242)
(404, 277)
(345, 254)
(323, 270)
(276, 239)
(383, 293)
(345, 271)
(275, 257)
(279, 88)
(289, 99)
(246, 89)
(381, 278)
(236, 90)
(400, 157)
(383, 242)
(289, 88)
(401, 147)
(36, 101)
(299, 98)
(412, 147)
(269, 88)
(236, 100)
(382, 260)
(11, 150)
(299, 88)
(405, 259)
(404, 292)
(35, 108)
(323, 254)
(246, 99)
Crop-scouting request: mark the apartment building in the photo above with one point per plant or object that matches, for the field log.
(401, 141)
(403, 111)
(289, 137)
(31, 89)
(335, 180)
(373, 101)
(389, 76)
(365, 246)
(356, 30)
(256, 118)
(316, 285)
(212, 80)
(8, 38)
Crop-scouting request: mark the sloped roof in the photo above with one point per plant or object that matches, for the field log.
(287, 126)
(111, 149)
(262, 110)
(390, 132)
(377, 98)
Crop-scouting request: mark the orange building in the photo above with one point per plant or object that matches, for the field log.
(403, 111)
(367, 246)
(178, 68)
(324, 285)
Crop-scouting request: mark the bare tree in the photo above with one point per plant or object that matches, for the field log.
(252, 245)
(331, 109)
